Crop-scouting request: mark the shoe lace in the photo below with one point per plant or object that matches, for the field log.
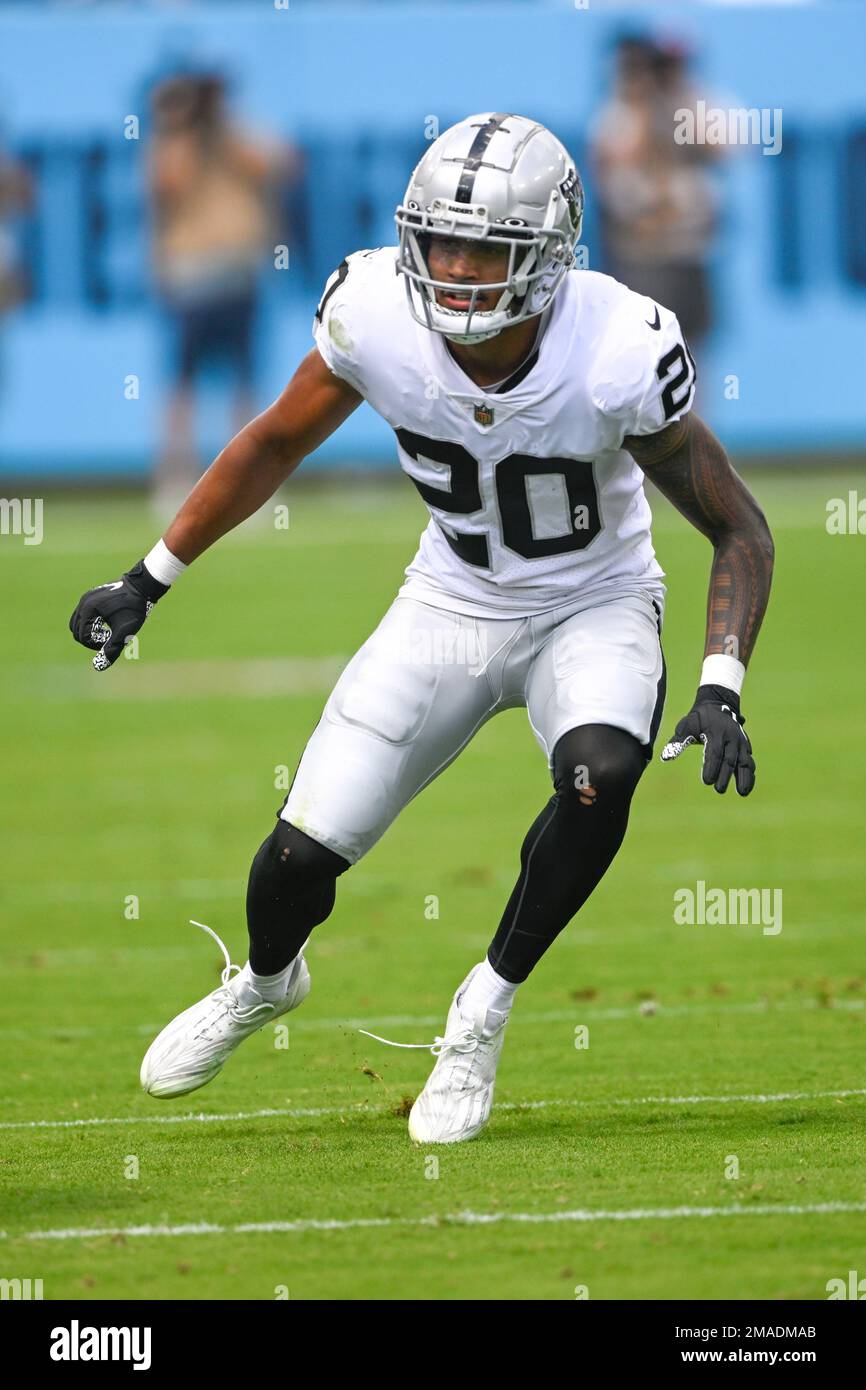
(239, 1011)
(464, 1040)
(228, 967)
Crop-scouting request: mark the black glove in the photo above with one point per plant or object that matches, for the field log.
(107, 615)
(715, 721)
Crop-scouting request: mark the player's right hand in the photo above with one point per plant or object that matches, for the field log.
(107, 616)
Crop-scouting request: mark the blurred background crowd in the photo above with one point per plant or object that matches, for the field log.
(177, 182)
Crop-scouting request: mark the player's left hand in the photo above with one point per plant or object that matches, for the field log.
(715, 721)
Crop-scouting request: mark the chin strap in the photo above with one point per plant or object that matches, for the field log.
(469, 338)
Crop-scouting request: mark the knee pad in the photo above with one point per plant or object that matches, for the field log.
(291, 868)
(597, 764)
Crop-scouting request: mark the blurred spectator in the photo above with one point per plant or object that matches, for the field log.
(213, 192)
(15, 198)
(658, 199)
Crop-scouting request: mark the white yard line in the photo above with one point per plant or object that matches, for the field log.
(304, 1112)
(263, 677)
(581, 1011)
(459, 1218)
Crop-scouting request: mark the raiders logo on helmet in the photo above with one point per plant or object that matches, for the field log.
(571, 189)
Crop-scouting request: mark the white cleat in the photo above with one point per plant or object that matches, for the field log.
(191, 1049)
(456, 1102)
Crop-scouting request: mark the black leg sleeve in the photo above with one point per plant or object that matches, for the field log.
(292, 887)
(570, 845)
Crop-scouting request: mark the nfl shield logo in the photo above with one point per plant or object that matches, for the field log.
(484, 414)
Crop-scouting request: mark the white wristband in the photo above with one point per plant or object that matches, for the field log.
(162, 564)
(723, 670)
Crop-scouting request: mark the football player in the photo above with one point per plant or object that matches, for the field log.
(528, 399)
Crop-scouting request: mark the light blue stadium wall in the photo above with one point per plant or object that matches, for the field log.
(329, 74)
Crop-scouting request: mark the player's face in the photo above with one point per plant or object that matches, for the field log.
(463, 262)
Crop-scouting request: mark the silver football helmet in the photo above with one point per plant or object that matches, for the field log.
(492, 176)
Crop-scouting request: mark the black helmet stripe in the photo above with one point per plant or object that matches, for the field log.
(477, 150)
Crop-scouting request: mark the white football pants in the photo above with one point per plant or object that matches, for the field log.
(428, 678)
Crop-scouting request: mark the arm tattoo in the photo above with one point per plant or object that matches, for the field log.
(689, 466)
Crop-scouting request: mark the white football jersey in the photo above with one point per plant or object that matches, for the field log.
(532, 500)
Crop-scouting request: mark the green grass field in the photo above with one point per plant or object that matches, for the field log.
(603, 1167)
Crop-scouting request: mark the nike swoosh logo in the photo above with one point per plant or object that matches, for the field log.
(726, 709)
(118, 584)
(658, 323)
